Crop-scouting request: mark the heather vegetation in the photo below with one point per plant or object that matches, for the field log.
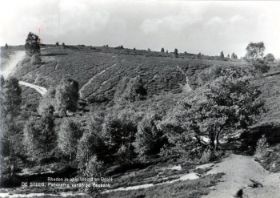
(108, 111)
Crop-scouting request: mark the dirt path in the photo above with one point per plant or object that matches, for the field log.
(10, 67)
(39, 89)
(239, 172)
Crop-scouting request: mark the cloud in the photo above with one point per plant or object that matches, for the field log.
(209, 27)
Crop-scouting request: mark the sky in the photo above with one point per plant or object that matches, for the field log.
(208, 27)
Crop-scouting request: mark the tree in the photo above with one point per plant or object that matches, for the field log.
(255, 50)
(69, 134)
(149, 138)
(269, 58)
(162, 50)
(176, 53)
(57, 43)
(39, 136)
(92, 142)
(32, 44)
(229, 106)
(10, 103)
(6, 46)
(119, 135)
(233, 56)
(67, 96)
(222, 56)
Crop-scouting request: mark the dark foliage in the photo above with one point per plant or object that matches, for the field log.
(32, 44)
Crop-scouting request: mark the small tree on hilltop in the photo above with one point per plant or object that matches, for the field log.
(32, 44)
(222, 56)
(255, 50)
(162, 50)
(176, 53)
(233, 56)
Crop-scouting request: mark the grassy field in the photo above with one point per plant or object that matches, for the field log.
(99, 71)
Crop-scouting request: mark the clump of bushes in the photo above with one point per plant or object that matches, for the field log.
(149, 137)
(40, 136)
(261, 66)
(67, 96)
(92, 143)
(119, 135)
(228, 105)
(68, 136)
(64, 97)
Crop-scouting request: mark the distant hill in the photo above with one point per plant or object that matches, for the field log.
(100, 69)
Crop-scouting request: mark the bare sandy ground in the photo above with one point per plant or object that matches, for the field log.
(239, 172)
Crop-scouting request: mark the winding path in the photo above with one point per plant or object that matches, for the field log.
(39, 89)
(10, 68)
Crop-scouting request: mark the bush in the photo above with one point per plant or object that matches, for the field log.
(39, 136)
(149, 138)
(269, 58)
(94, 168)
(92, 143)
(261, 147)
(119, 134)
(69, 134)
(47, 100)
(67, 96)
(261, 66)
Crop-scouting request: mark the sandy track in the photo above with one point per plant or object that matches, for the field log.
(10, 68)
(239, 170)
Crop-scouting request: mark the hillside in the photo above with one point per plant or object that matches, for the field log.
(99, 71)
(110, 80)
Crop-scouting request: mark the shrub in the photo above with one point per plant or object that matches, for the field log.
(94, 168)
(47, 100)
(269, 58)
(69, 134)
(261, 147)
(67, 96)
(39, 136)
(92, 143)
(261, 66)
(119, 134)
(149, 138)
(10, 104)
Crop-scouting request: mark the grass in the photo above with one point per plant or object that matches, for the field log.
(185, 189)
(159, 73)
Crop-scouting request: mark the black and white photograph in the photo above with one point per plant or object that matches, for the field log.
(139, 99)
